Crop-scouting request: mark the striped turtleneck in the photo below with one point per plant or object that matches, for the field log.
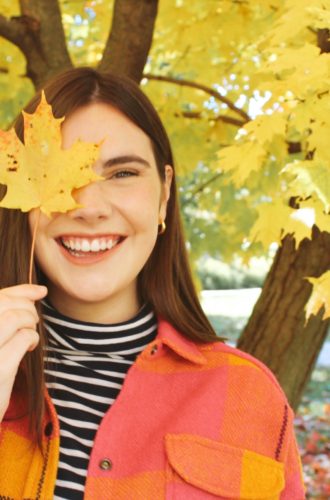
(85, 367)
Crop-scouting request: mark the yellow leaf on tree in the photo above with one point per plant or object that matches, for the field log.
(289, 26)
(315, 211)
(265, 127)
(322, 219)
(310, 117)
(320, 296)
(297, 16)
(39, 173)
(310, 177)
(241, 160)
(298, 70)
(320, 15)
(275, 220)
(10, 8)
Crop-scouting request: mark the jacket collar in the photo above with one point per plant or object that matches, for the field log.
(167, 335)
(180, 344)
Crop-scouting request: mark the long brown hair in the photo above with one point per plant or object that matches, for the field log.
(165, 281)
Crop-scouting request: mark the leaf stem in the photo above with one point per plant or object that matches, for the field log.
(33, 245)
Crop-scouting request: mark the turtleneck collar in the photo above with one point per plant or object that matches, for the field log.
(67, 335)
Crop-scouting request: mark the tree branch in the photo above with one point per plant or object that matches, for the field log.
(220, 118)
(38, 33)
(11, 29)
(130, 37)
(52, 35)
(29, 8)
(204, 88)
(19, 30)
(230, 120)
(201, 187)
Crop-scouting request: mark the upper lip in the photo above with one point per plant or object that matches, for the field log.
(90, 236)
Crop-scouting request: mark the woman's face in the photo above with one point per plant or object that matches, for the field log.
(92, 255)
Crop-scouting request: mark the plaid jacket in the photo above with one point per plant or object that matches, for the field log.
(192, 422)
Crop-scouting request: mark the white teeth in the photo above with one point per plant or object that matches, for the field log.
(85, 245)
(110, 244)
(95, 246)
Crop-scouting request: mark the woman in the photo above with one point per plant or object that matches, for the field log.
(195, 419)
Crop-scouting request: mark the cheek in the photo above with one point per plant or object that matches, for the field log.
(41, 251)
(141, 206)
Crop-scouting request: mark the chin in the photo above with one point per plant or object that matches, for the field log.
(93, 294)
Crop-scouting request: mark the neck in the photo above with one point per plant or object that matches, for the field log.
(115, 309)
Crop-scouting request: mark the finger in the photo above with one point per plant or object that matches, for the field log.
(13, 351)
(7, 303)
(13, 320)
(32, 292)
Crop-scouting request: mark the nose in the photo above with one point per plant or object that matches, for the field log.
(94, 203)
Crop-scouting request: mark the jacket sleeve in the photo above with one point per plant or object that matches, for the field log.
(294, 487)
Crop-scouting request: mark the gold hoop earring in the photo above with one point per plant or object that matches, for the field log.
(161, 227)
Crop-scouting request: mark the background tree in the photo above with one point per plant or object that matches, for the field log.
(243, 88)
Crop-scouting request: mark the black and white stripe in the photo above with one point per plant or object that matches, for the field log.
(85, 366)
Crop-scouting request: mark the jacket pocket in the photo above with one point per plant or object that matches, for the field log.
(200, 468)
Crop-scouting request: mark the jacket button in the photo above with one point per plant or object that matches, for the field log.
(105, 464)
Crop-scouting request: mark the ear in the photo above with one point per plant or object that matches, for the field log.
(166, 190)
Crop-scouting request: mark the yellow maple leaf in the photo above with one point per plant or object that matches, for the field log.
(310, 117)
(315, 212)
(274, 221)
(320, 14)
(320, 296)
(265, 127)
(39, 173)
(241, 159)
(310, 176)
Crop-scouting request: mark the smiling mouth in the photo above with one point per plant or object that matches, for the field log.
(88, 247)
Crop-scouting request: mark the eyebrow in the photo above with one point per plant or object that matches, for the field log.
(120, 160)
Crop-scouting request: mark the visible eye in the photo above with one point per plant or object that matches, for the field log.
(122, 173)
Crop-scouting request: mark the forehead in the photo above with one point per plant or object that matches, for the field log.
(101, 122)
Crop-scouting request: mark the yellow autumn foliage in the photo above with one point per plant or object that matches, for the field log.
(39, 173)
(319, 296)
(263, 137)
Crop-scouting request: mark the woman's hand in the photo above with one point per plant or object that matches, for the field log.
(18, 322)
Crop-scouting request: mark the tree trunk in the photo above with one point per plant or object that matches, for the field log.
(50, 41)
(276, 332)
(130, 37)
(38, 33)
